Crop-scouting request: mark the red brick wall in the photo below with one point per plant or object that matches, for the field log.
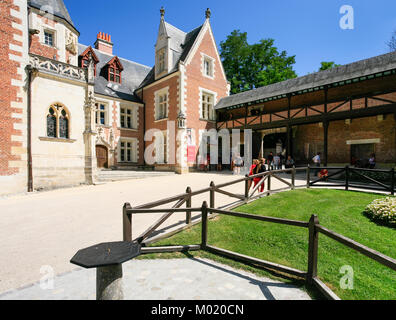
(195, 80)
(8, 91)
(37, 47)
(340, 133)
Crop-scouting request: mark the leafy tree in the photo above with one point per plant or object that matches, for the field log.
(392, 42)
(328, 65)
(251, 66)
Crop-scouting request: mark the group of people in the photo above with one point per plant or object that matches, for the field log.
(277, 161)
(257, 167)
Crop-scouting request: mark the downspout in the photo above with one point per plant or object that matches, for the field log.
(30, 73)
(144, 127)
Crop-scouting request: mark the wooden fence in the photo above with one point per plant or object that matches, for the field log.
(314, 229)
(209, 211)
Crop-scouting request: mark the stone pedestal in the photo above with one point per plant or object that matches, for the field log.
(109, 283)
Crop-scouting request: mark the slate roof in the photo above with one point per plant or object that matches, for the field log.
(58, 8)
(132, 76)
(350, 71)
(180, 44)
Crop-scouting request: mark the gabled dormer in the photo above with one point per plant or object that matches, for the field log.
(162, 49)
(86, 56)
(112, 70)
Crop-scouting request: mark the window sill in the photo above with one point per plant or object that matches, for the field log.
(103, 126)
(128, 129)
(160, 120)
(207, 120)
(57, 140)
(209, 77)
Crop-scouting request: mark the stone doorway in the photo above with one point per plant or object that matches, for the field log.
(102, 157)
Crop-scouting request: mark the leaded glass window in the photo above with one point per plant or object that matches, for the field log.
(51, 123)
(63, 125)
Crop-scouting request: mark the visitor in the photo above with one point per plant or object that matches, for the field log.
(260, 168)
(324, 174)
(270, 160)
(238, 164)
(317, 160)
(372, 161)
(277, 162)
(252, 167)
(289, 163)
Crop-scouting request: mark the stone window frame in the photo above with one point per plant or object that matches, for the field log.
(202, 92)
(165, 147)
(106, 112)
(59, 111)
(157, 101)
(132, 115)
(161, 59)
(54, 38)
(134, 148)
(211, 62)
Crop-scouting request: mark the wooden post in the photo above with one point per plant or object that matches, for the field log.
(212, 195)
(204, 225)
(326, 142)
(188, 205)
(347, 178)
(313, 249)
(269, 182)
(247, 188)
(294, 178)
(308, 177)
(127, 223)
(393, 181)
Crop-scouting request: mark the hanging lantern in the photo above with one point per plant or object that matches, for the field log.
(181, 120)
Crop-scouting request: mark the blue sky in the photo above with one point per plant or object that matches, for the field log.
(308, 29)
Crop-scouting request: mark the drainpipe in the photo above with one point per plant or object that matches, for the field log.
(144, 127)
(31, 72)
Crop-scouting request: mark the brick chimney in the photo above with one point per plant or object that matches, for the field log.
(103, 43)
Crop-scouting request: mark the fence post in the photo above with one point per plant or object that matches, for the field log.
(308, 177)
(188, 205)
(127, 223)
(294, 178)
(393, 181)
(204, 225)
(313, 249)
(212, 195)
(247, 180)
(269, 182)
(347, 178)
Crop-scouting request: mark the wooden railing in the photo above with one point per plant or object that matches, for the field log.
(343, 177)
(314, 229)
(186, 199)
(252, 193)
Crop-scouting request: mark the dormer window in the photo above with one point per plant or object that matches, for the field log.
(86, 56)
(208, 66)
(114, 69)
(161, 61)
(114, 75)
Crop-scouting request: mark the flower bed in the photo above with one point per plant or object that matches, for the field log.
(383, 210)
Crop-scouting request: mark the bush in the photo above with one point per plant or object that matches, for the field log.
(383, 210)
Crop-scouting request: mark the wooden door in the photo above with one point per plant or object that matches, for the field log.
(101, 156)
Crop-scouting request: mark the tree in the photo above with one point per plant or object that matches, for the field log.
(392, 42)
(251, 66)
(328, 65)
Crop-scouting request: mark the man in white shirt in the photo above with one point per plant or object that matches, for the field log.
(316, 159)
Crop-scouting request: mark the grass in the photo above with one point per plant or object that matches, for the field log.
(337, 210)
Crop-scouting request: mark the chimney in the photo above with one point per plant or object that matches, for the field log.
(103, 43)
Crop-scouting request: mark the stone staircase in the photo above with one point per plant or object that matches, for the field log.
(121, 175)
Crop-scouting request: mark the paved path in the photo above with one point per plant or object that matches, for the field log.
(177, 279)
(48, 228)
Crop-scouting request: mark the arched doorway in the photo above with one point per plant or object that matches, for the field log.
(102, 157)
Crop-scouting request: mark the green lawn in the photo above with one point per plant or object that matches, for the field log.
(339, 211)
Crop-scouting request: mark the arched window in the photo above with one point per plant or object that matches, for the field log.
(51, 123)
(58, 120)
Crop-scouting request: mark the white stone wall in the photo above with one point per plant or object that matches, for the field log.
(57, 162)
